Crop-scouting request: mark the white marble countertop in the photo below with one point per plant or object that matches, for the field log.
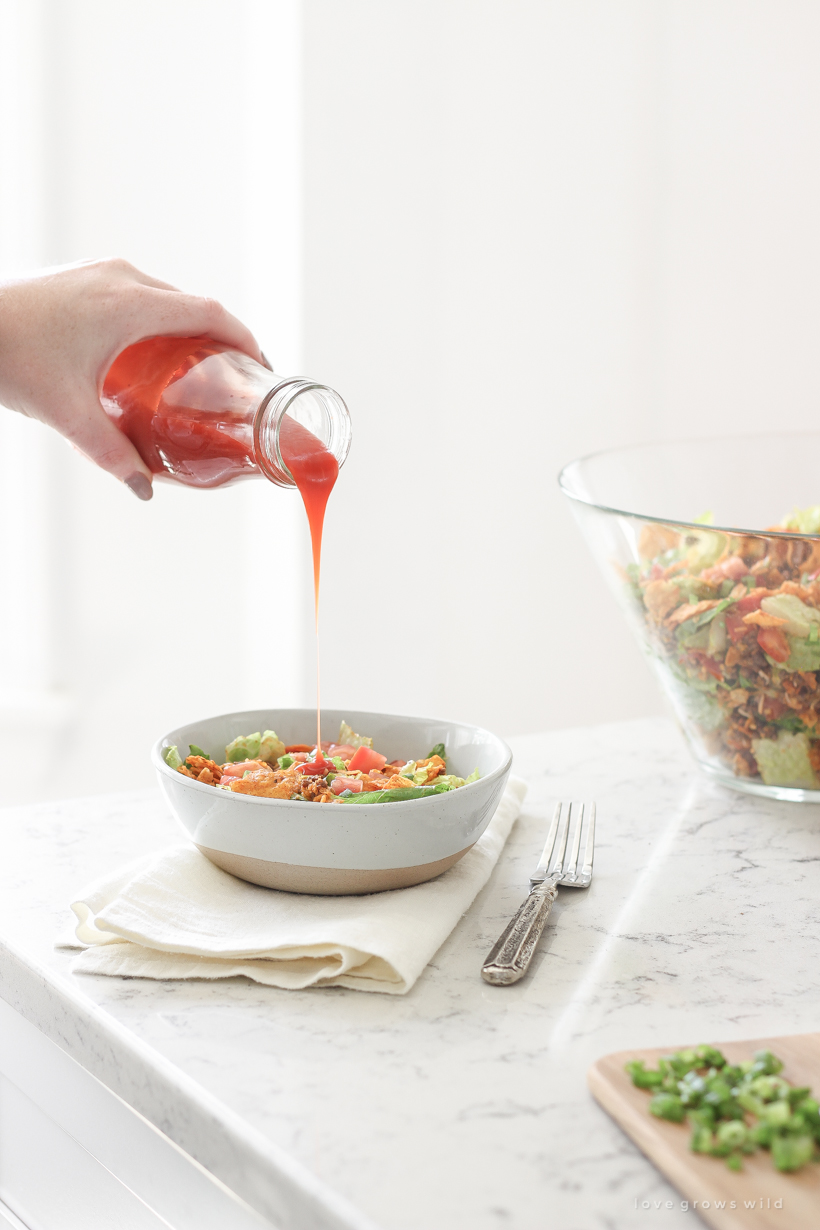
(459, 1106)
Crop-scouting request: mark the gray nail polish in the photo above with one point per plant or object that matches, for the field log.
(140, 485)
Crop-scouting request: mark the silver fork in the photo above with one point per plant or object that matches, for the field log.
(511, 954)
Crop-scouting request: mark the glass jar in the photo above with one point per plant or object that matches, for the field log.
(204, 414)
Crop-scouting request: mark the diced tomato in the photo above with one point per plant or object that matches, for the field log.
(773, 708)
(734, 568)
(300, 747)
(736, 627)
(731, 569)
(773, 642)
(339, 749)
(240, 767)
(341, 783)
(751, 601)
(365, 759)
(708, 663)
(318, 767)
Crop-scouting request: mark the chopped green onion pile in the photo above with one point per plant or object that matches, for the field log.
(733, 1109)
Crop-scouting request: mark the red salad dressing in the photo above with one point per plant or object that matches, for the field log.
(314, 471)
(205, 438)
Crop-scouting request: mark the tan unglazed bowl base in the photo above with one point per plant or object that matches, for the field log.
(327, 881)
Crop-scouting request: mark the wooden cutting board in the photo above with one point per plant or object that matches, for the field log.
(757, 1189)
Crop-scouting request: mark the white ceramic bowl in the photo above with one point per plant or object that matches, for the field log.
(336, 848)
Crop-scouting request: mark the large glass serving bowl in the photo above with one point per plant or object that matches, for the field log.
(718, 574)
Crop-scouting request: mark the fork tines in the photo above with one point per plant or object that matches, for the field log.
(569, 848)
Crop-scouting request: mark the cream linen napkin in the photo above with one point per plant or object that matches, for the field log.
(176, 915)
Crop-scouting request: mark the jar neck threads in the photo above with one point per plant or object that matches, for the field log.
(315, 406)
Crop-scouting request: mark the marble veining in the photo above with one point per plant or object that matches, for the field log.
(460, 1106)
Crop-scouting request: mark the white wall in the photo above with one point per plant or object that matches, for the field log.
(739, 196)
(534, 230)
(529, 229)
(152, 132)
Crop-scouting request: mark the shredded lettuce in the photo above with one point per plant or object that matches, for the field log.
(244, 747)
(804, 655)
(172, 757)
(789, 721)
(271, 747)
(690, 636)
(267, 746)
(695, 697)
(703, 548)
(348, 735)
(784, 761)
(450, 781)
(399, 794)
(414, 774)
(455, 782)
(799, 618)
(804, 520)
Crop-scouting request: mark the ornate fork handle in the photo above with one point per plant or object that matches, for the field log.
(512, 952)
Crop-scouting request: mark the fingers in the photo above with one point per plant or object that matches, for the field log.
(91, 431)
(159, 308)
(184, 315)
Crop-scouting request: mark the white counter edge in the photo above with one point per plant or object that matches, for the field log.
(265, 1176)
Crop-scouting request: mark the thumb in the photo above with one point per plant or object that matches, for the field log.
(93, 433)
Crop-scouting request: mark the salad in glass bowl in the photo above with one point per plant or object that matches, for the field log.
(729, 617)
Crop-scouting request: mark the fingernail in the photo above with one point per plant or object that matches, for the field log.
(140, 485)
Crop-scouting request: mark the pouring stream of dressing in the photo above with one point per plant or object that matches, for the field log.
(314, 471)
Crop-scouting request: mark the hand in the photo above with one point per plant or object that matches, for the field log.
(61, 330)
